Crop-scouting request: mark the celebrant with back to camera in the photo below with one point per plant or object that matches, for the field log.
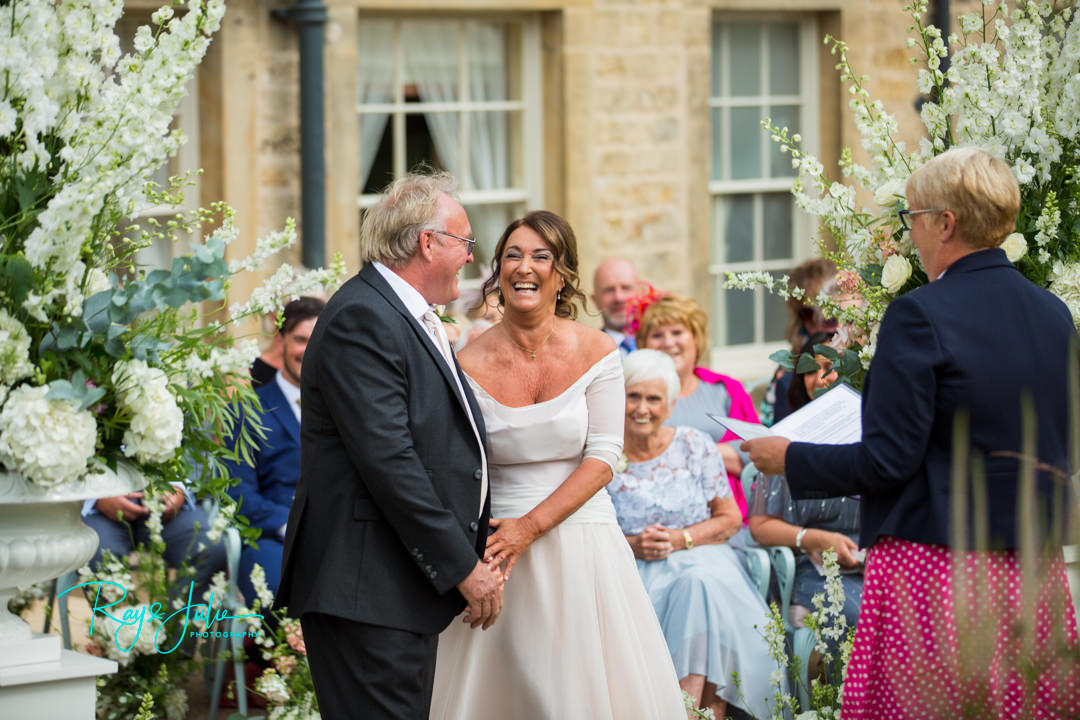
(956, 361)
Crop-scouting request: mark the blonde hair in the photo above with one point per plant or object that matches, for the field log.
(979, 189)
(675, 310)
(407, 207)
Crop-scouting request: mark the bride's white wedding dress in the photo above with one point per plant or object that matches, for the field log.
(577, 637)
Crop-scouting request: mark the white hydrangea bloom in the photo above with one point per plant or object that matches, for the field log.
(48, 441)
(157, 423)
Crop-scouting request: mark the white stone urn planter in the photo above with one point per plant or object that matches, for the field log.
(42, 536)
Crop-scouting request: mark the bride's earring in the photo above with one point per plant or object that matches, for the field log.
(558, 295)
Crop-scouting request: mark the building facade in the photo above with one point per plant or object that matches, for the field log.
(639, 120)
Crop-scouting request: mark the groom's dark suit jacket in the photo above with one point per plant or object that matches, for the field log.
(975, 340)
(386, 519)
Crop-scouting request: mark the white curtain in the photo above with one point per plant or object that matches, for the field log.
(431, 53)
(375, 42)
(432, 62)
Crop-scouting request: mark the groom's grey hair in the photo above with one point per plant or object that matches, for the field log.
(645, 365)
(408, 206)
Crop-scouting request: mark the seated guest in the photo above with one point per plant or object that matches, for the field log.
(675, 324)
(121, 521)
(675, 507)
(810, 526)
(813, 277)
(266, 488)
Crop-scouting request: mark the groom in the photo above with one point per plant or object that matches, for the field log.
(390, 517)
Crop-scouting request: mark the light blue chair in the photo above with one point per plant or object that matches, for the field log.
(755, 559)
(802, 639)
(215, 672)
(60, 587)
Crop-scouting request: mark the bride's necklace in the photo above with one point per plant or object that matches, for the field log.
(532, 352)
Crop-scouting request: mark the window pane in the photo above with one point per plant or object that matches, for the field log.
(489, 150)
(735, 216)
(776, 314)
(739, 313)
(784, 59)
(488, 223)
(746, 141)
(719, 172)
(487, 60)
(782, 116)
(432, 59)
(432, 138)
(776, 228)
(745, 59)
(717, 60)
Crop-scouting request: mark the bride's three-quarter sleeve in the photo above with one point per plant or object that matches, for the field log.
(606, 400)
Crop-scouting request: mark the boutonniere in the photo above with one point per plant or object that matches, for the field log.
(622, 463)
(440, 311)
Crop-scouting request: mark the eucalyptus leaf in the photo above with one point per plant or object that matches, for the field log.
(68, 338)
(827, 352)
(96, 311)
(783, 358)
(806, 364)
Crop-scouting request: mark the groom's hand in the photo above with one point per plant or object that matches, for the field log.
(482, 590)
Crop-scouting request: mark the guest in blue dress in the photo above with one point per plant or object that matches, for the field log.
(675, 507)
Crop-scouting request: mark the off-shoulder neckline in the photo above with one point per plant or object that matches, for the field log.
(480, 388)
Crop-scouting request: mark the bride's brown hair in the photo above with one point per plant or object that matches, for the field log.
(559, 236)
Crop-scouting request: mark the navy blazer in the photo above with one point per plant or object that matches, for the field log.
(387, 518)
(266, 491)
(972, 342)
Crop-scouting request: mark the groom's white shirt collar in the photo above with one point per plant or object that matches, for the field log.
(410, 297)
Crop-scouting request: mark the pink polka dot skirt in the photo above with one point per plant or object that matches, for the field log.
(962, 635)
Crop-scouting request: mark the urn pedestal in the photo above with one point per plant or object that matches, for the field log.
(42, 536)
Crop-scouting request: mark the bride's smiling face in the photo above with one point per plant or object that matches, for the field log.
(527, 275)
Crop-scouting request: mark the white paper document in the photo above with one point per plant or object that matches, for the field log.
(834, 418)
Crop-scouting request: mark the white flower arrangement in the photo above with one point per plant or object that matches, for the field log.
(129, 365)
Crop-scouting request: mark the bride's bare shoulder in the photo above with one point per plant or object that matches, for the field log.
(594, 344)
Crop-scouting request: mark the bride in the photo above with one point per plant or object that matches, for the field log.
(577, 637)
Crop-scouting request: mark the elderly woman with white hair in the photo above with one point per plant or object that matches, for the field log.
(675, 508)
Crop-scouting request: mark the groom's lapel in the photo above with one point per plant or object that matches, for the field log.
(372, 277)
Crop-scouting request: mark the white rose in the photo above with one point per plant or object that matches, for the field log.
(896, 272)
(888, 193)
(1015, 247)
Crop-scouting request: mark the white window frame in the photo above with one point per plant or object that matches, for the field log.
(751, 360)
(530, 193)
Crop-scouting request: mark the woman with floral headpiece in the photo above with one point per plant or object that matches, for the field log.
(675, 324)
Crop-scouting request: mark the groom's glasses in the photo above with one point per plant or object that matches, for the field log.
(469, 242)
